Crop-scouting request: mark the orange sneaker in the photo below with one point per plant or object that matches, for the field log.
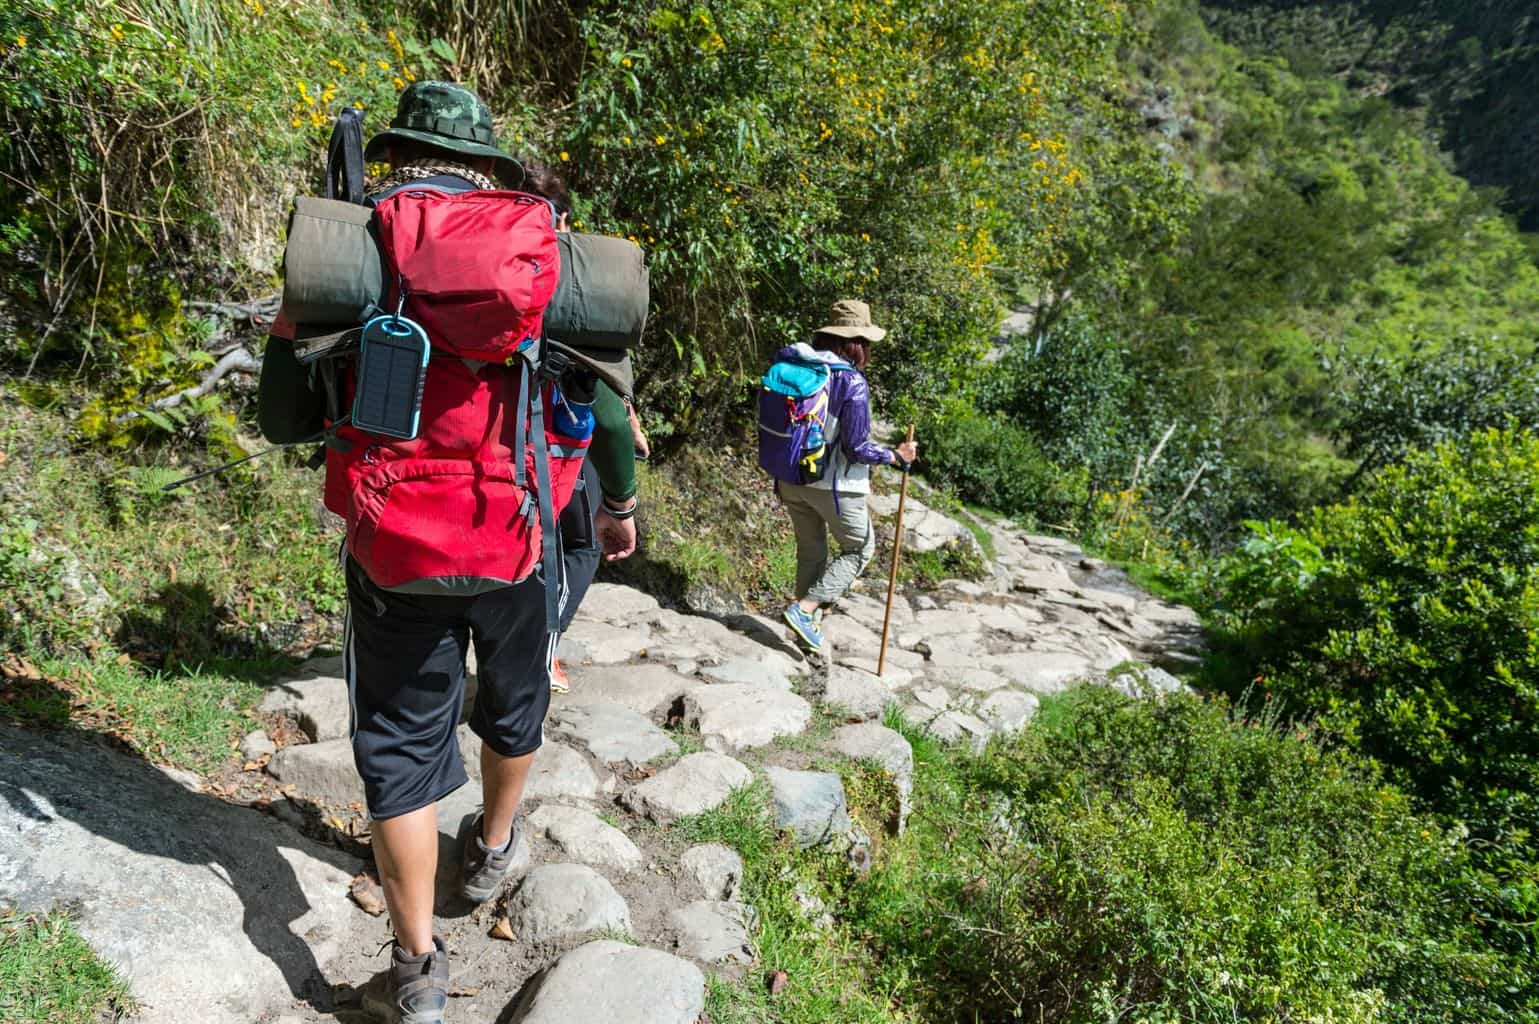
(559, 683)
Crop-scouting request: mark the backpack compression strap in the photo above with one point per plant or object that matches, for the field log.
(344, 158)
(552, 365)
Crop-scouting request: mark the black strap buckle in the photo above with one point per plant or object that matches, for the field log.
(554, 364)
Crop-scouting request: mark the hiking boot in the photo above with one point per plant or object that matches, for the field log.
(805, 626)
(559, 683)
(484, 869)
(417, 987)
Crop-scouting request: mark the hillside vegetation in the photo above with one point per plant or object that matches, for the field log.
(1276, 352)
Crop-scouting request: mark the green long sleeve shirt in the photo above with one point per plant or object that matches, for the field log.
(613, 451)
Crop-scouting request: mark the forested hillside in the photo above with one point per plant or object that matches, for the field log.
(1273, 306)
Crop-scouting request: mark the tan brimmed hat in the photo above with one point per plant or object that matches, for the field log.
(852, 319)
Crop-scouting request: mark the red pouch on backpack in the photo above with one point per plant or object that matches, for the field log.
(477, 268)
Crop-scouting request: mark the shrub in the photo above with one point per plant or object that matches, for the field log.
(1409, 620)
(1163, 862)
(992, 462)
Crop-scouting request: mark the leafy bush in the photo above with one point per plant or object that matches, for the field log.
(1409, 620)
(990, 461)
(1164, 862)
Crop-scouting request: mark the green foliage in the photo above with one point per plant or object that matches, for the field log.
(49, 974)
(1393, 405)
(989, 460)
(1408, 619)
(143, 144)
(1162, 861)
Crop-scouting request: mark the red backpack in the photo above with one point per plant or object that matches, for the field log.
(465, 505)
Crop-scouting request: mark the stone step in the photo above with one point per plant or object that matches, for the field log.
(696, 784)
(613, 983)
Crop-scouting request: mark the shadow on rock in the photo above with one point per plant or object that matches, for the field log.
(213, 911)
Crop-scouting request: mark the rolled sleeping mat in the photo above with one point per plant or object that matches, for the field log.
(332, 270)
(602, 297)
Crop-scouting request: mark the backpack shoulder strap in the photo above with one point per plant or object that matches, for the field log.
(344, 158)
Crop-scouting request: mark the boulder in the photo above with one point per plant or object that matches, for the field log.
(581, 836)
(859, 693)
(712, 932)
(606, 644)
(613, 983)
(739, 716)
(616, 604)
(559, 902)
(319, 703)
(646, 689)
(716, 869)
(322, 772)
(696, 784)
(750, 672)
(810, 805)
(1008, 711)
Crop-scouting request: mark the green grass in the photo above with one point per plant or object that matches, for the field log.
(202, 594)
(49, 974)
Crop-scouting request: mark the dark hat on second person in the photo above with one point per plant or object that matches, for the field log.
(448, 116)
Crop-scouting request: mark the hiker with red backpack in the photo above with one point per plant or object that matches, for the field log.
(814, 439)
(456, 430)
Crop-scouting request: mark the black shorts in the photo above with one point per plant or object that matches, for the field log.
(404, 661)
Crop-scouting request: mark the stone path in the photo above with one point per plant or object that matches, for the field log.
(219, 913)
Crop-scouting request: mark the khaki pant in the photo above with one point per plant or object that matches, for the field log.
(813, 517)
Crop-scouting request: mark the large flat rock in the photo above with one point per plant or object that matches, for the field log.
(556, 902)
(698, 783)
(738, 716)
(858, 692)
(616, 604)
(646, 689)
(214, 913)
(584, 838)
(604, 644)
(315, 698)
(611, 732)
(323, 772)
(613, 983)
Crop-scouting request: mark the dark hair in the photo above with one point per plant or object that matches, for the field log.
(541, 179)
(854, 351)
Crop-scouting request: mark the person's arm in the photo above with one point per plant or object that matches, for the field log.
(855, 426)
(613, 454)
(613, 450)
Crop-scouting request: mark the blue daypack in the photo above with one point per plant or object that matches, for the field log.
(793, 408)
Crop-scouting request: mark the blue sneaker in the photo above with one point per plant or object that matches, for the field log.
(805, 626)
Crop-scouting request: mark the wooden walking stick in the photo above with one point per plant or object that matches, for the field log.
(892, 577)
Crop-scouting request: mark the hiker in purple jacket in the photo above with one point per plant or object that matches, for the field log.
(837, 502)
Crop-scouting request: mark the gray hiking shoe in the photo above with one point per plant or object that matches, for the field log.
(418, 986)
(485, 869)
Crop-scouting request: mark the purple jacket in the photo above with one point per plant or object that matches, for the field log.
(848, 421)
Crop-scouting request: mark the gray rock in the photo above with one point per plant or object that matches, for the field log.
(960, 653)
(1009, 621)
(257, 745)
(646, 689)
(932, 697)
(859, 693)
(616, 984)
(319, 703)
(869, 611)
(868, 741)
(1162, 614)
(895, 674)
(1145, 681)
(582, 837)
(1039, 581)
(809, 804)
(740, 716)
(845, 633)
(1057, 546)
(214, 914)
(1105, 652)
(946, 622)
(1008, 711)
(715, 868)
(560, 773)
(698, 783)
(749, 672)
(323, 772)
(612, 733)
(918, 716)
(1110, 598)
(977, 680)
(924, 529)
(560, 902)
(712, 932)
(1042, 672)
(616, 604)
(606, 644)
(924, 602)
(960, 727)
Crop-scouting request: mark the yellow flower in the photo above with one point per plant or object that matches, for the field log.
(410, 77)
(577, 224)
(564, 156)
(117, 32)
(400, 83)
(383, 65)
(357, 105)
(625, 63)
(865, 237)
(296, 122)
(661, 140)
(626, 140)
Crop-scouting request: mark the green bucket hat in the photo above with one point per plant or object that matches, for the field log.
(450, 117)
